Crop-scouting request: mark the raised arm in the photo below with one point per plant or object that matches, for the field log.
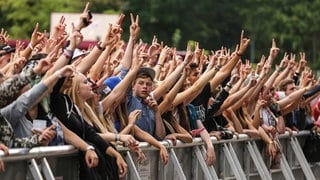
(172, 78)
(161, 61)
(134, 32)
(236, 100)
(284, 74)
(226, 69)
(293, 97)
(112, 36)
(111, 101)
(12, 86)
(242, 78)
(64, 59)
(36, 38)
(166, 104)
(96, 69)
(74, 40)
(272, 78)
(192, 92)
(274, 51)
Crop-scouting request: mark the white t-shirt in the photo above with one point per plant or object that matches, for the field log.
(268, 119)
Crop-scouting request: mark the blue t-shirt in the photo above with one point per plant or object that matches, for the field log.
(193, 116)
(147, 120)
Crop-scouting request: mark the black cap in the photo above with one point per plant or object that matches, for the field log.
(147, 71)
(7, 48)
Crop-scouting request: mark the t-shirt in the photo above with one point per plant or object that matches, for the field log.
(201, 102)
(146, 122)
(193, 116)
(268, 118)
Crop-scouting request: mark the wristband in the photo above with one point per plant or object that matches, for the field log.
(278, 70)
(281, 69)
(217, 68)
(67, 55)
(70, 52)
(30, 46)
(58, 74)
(117, 137)
(99, 46)
(90, 148)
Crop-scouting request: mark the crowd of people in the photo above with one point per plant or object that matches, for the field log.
(117, 94)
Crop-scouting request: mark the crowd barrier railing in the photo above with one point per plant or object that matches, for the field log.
(236, 158)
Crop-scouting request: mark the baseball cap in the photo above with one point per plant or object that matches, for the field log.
(109, 84)
(78, 52)
(7, 48)
(146, 71)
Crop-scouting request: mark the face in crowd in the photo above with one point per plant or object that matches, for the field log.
(290, 88)
(81, 87)
(194, 74)
(142, 86)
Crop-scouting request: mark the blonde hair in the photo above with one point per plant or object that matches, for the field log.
(82, 104)
(104, 121)
(121, 113)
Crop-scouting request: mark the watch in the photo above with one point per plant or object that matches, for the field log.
(99, 46)
(90, 148)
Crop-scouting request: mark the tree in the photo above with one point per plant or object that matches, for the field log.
(294, 24)
(20, 16)
(206, 22)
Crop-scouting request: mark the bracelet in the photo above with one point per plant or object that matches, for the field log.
(58, 74)
(281, 69)
(161, 65)
(278, 70)
(229, 85)
(270, 142)
(67, 55)
(90, 148)
(238, 54)
(217, 68)
(70, 52)
(30, 46)
(117, 137)
(99, 46)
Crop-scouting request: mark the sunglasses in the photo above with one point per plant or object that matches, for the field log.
(92, 82)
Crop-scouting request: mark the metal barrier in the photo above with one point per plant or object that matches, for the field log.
(40, 163)
(242, 158)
